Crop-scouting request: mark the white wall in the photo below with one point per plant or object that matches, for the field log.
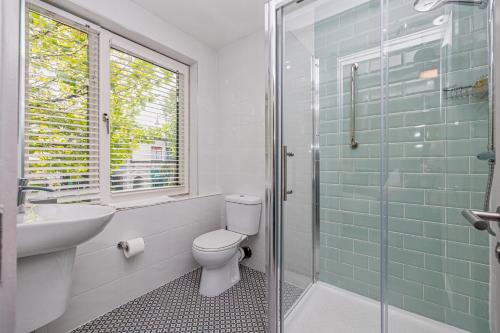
(240, 118)
(9, 61)
(104, 279)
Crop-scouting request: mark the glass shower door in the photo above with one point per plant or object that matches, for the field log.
(297, 155)
(437, 123)
(330, 99)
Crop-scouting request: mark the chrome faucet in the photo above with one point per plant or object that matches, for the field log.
(22, 187)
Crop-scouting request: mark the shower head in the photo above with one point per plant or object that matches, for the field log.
(428, 5)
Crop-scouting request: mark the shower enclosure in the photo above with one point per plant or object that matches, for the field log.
(379, 138)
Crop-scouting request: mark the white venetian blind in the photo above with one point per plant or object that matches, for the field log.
(147, 125)
(61, 107)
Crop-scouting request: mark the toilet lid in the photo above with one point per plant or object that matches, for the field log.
(217, 240)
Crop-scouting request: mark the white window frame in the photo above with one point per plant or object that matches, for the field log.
(110, 41)
(76, 23)
(107, 41)
(43, 6)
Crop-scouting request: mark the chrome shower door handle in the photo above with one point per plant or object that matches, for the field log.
(481, 220)
(354, 70)
(285, 154)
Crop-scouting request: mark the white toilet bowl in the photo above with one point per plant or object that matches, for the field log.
(218, 253)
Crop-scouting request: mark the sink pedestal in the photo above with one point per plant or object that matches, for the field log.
(43, 288)
(47, 237)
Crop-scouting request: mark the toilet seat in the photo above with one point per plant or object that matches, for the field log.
(218, 240)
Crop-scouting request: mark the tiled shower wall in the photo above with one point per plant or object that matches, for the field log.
(438, 264)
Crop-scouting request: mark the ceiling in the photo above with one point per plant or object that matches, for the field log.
(214, 22)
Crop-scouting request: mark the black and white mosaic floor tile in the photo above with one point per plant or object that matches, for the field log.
(177, 307)
(291, 293)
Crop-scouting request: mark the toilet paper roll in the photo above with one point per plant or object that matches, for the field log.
(133, 247)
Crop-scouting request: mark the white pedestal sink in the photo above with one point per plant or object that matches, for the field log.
(47, 236)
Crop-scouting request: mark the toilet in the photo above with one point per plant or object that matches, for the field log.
(218, 252)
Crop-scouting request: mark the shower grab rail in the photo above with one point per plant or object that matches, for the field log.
(354, 70)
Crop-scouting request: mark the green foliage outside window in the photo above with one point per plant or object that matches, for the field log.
(59, 126)
(57, 118)
(143, 111)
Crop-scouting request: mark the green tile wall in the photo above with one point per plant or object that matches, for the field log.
(438, 264)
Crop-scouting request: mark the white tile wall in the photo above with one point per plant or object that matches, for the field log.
(240, 121)
(104, 279)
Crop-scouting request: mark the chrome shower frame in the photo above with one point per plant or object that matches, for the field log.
(274, 193)
(273, 132)
(273, 181)
(491, 98)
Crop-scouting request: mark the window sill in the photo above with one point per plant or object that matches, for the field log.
(154, 201)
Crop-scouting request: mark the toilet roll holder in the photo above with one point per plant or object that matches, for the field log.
(123, 245)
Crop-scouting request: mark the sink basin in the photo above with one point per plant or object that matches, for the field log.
(47, 237)
(54, 227)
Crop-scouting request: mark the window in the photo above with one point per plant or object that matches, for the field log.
(147, 113)
(61, 108)
(101, 121)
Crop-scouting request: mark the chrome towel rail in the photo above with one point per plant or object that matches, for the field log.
(354, 70)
